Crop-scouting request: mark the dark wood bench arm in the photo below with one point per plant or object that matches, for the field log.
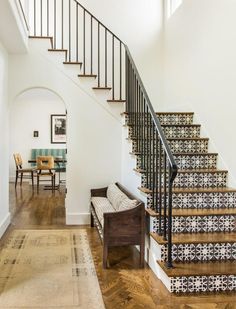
(101, 192)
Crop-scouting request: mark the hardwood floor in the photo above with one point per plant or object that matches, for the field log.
(123, 285)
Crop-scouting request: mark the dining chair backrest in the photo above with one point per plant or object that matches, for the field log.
(45, 162)
(18, 160)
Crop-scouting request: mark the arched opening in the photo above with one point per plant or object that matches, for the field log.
(38, 128)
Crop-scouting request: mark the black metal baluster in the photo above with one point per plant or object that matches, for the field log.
(69, 30)
(55, 24)
(106, 58)
(160, 188)
(34, 17)
(120, 70)
(148, 145)
(113, 69)
(91, 43)
(127, 80)
(150, 150)
(169, 244)
(164, 195)
(62, 24)
(98, 54)
(41, 17)
(157, 172)
(153, 164)
(77, 32)
(47, 17)
(84, 33)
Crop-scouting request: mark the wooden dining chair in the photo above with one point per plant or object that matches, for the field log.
(45, 168)
(23, 172)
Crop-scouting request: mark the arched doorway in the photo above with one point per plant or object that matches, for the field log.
(37, 127)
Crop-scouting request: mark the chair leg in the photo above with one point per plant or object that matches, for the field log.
(32, 177)
(21, 177)
(16, 179)
(37, 183)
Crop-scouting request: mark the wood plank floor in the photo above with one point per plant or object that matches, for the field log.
(123, 285)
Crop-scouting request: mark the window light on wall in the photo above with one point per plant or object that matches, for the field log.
(172, 6)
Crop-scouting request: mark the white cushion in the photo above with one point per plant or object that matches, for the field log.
(115, 196)
(127, 204)
(101, 205)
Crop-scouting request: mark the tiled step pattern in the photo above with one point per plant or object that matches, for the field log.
(200, 187)
(196, 179)
(208, 199)
(199, 224)
(190, 161)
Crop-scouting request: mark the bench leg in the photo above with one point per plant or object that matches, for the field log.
(105, 255)
(142, 250)
(92, 221)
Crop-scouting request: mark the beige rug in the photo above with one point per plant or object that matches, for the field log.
(48, 269)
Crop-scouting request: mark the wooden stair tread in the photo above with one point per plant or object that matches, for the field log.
(57, 50)
(102, 88)
(171, 125)
(174, 113)
(224, 237)
(188, 138)
(211, 171)
(194, 153)
(197, 212)
(72, 62)
(194, 190)
(87, 75)
(40, 37)
(117, 101)
(200, 269)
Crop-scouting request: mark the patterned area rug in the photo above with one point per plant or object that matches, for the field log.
(48, 269)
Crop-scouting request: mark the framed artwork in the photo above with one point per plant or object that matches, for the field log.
(58, 129)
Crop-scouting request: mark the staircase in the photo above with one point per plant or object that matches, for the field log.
(190, 210)
(203, 215)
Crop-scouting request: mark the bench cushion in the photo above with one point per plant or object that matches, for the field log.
(115, 196)
(127, 204)
(101, 205)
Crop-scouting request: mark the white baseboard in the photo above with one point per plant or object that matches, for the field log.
(77, 218)
(4, 224)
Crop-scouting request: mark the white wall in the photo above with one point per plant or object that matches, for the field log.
(200, 66)
(93, 131)
(4, 195)
(30, 112)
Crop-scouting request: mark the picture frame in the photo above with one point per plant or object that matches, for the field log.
(58, 129)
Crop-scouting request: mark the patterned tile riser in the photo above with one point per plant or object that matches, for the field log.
(176, 119)
(169, 119)
(195, 284)
(170, 132)
(214, 200)
(192, 162)
(177, 146)
(199, 224)
(189, 146)
(196, 180)
(200, 252)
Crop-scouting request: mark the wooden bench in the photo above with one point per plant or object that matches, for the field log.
(119, 217)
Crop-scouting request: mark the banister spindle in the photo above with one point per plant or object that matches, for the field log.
(160, 189)
(84, 49)
(91, 43)
(69, 30)
(55, 24)
(120, 70)
(34, 17)
(106, 58)
(98, 54)
(164, 196)
(41, 17)
(113, 70)
(62, 24)
(48, 17)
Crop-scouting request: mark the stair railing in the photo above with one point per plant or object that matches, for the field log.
(157, 161)
(82, 36)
